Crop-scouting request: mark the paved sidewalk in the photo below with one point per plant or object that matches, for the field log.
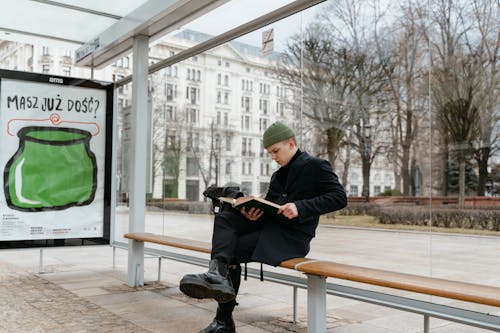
(31, 303)
(80, 291)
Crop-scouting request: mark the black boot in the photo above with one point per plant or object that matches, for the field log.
(223, 321)
(212, 284)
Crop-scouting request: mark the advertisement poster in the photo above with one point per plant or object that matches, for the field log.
(53, 157)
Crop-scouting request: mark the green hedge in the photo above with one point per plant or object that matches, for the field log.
(480, 219)
(449, 216)
(180, 205)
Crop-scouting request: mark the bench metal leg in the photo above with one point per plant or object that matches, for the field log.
(159, 269)
(40, 267)
(135, 263)
(426, 324)
(295, 305)
(316, 304)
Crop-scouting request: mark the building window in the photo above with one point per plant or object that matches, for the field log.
(66, 70)
(280, 108)
(246, 103)
(263, 124)
(226, 98)
(228, 168)
(245, 122)
(170, 91)
(246, 147)
(193, 95)
(193, 115)
(170, 113)
(353, 190)
(192, 167)
(226, 80)
(45, 51)
(171, 142)
(219, 97)
(376, 190)
(263, 106)
(193, 141)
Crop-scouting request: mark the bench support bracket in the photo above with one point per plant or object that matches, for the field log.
(316, 303)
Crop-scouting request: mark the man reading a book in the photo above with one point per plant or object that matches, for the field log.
(305, 187)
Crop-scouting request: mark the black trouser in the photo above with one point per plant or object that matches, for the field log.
(234, 237)
(233, 242)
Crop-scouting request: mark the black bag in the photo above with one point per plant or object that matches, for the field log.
(214, 193)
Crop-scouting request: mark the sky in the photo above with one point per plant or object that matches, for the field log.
(238, 12)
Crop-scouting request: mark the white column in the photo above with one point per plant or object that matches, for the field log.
(138, 158)
(316, 304)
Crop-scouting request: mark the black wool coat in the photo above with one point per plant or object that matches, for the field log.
(315, 190)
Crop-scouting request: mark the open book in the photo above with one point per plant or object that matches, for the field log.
(266, 206)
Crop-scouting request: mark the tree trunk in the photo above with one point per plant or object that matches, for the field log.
(405, 170)
(366, 177)
(445, 168)
(482, 165)
(347, 163)
(461, 182)
(334, 136)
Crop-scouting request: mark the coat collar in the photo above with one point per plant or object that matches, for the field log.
(296, 168)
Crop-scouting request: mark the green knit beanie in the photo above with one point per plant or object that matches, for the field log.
(277, 132)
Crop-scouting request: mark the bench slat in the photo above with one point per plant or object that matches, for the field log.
(463, 291)
(187, 244)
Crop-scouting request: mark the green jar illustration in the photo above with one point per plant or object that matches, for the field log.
(53, 169)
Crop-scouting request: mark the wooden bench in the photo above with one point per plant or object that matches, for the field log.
(317, 288)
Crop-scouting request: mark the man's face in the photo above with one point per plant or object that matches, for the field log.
(282, 152)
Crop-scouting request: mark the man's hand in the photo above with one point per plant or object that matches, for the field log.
(253, 213)
(289, 210)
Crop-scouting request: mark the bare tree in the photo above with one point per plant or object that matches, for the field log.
(402, 43)
(323, 73)
(486, 16)
(466, 80)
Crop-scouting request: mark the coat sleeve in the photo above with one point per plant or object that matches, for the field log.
(330, 194)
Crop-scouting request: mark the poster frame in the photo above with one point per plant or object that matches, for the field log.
(109, 89)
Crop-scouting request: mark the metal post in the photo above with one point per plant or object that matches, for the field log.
(40, 267)
(114, 256)
(426, 324)
(316, 303)
(294, 304)
(138, 158)
(159, 269)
